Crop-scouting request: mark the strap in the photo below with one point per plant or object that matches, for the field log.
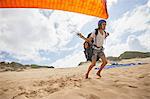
(96, 33)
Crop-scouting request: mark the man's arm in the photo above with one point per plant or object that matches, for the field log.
(89, 39)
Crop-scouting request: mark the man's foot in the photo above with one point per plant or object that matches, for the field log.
(98, 74)
(86, 76)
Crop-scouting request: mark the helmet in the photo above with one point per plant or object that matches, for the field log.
(100, 22)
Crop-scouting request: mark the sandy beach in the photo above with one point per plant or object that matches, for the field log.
(69, 83)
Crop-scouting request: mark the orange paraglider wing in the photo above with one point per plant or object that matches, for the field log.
(96, 8)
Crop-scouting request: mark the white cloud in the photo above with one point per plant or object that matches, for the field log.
(145, 40)
(132, 21)
(111, 3)
(116, 50)
(148, 3)
(23, 32)
(134, 43)
(71, 60)
(131, 30)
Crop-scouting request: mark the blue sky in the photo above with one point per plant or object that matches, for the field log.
(47, 37)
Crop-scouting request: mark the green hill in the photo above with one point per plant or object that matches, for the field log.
(14, 66)
(134, 54)
(129, 55)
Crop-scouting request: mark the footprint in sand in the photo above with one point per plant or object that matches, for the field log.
(120, 85)
(1, 92)
(21, 88)
(31, 94)
(132, 86)
(144, 75)
(88, 96)
(39, 83)
(116, 80)
(91, 96)
(51, 90)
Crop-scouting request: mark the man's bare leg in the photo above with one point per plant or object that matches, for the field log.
(104, 62)
(90, 67)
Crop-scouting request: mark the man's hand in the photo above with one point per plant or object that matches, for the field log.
(86, 39)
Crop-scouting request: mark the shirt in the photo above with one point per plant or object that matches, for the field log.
(99, 39)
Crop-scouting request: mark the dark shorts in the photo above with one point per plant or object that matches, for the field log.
(97, 54)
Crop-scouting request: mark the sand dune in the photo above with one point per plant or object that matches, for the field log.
(69, 83)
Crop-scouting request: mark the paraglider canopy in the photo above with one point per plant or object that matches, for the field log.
(96, 8)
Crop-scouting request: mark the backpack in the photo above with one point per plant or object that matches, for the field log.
(88, 48)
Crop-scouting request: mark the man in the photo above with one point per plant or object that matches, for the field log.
(98, 47)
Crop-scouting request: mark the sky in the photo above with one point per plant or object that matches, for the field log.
(48, 37)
